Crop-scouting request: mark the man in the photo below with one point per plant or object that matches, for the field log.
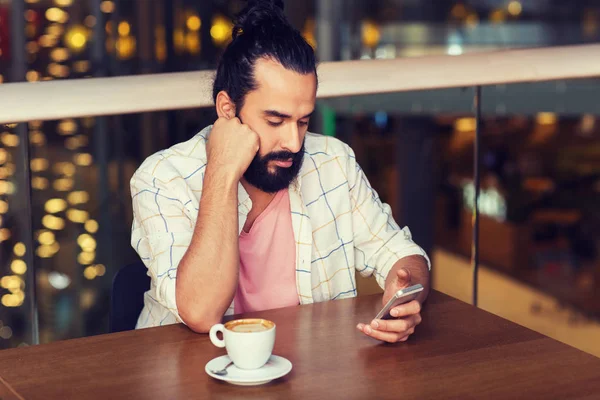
(254, 212)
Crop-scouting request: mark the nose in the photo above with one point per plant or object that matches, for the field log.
(290, 139)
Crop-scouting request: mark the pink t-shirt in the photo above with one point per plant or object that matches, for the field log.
(268, 260)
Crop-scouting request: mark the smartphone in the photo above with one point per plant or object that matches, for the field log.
(402, 296)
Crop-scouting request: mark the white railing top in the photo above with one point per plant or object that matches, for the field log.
(53, 100)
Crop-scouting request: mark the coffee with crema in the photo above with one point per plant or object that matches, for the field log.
(249, 325)
(249, 342)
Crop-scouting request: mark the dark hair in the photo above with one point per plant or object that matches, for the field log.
(261, 31)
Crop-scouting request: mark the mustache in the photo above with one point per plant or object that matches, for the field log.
(281, 156)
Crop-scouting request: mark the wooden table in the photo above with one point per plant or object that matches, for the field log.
(458, 352)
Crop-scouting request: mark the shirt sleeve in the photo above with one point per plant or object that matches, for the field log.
(161, 233)
(378, 240)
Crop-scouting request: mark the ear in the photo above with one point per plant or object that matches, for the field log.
(224, 105)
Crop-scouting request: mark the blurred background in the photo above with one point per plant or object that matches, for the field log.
(540, 208)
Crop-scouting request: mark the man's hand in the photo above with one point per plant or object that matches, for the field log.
(408, 315)
(231, 146)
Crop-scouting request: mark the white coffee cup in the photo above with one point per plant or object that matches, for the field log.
(249, 342)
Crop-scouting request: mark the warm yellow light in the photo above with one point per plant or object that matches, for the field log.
(32, 76)
(107, 6)
(6, 172)
(3, 156)
(90, 21)
(86, 258)
(472, 19)
(83, 159)
(100, 270)
(308, 32)
(497, 16)
(220, 30)
(32, 1)
(160, 50)
(179, 39)
(465, 124)
(194, 23)
(18, 267)
(125, 47)
(11, 300)
(64, 168)
(370, 34)
(63, 184)
(515, 8)
(7, 187)
(81, 66)
(3, 207)
(459, 11)
(192, 42)
(55, 30)
(59, 54)
(88, 122)
(76, 37)
(86, 242)
(46, 238)
(11, 282)
(58, 70)
(32, 47)
(20, 249)
(75, 142)
(39, 164)
(67, 127)
(91, 226)
(55, 14)
(1, 76)
(53, 206)
(4, 234)
(78, 197)
(47, 251)
(89, 272)
(39, 183)
(546, 118)
(30, 30)
(48, 41)
(37, 138)
(78, 216)
(124, 28)
(52, 222)
(63, 3)
(9, 139)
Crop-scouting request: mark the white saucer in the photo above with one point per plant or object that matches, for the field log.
(275, 368)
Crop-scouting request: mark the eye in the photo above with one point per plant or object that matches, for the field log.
(274, 124)
(303, 123)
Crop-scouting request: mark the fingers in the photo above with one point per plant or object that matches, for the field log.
(391, 331)
(388, 337)
(397, 325)
(404, 310)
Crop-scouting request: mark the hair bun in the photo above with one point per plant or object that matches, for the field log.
(260, 15)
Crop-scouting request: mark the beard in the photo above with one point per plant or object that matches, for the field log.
(272, 180)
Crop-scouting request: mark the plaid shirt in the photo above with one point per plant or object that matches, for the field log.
(339, 223)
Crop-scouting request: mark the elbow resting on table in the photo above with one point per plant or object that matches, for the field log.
(200, 321)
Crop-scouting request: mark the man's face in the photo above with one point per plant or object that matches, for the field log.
(278, 111)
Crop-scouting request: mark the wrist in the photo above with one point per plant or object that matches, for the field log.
(220, 180)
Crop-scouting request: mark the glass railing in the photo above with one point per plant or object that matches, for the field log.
(69, 148)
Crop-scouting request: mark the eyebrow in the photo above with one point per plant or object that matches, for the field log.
(277, 114)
